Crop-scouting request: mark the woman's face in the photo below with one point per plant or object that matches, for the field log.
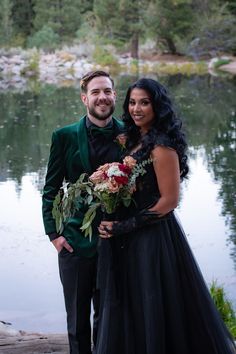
(140, 109)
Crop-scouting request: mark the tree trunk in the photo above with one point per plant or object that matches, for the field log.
(171, 45)
(135, 46)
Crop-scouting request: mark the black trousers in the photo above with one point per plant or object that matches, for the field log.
(78, 277)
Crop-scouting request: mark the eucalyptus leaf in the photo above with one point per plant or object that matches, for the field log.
(85, 226)
(90, 199)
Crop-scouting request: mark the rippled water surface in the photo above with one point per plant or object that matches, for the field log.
(31, 295)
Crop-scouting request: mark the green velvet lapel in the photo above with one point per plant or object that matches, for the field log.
(83, 145)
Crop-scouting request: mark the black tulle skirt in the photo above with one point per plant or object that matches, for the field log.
(154, 299)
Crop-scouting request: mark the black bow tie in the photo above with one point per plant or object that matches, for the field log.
(106, 131)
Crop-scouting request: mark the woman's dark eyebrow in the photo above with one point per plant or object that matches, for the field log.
(142, 99)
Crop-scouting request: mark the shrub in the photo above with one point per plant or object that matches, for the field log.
(32, 67)
(103, 57)
(46, 38)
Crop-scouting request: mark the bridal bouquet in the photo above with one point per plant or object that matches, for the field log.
(111, 185)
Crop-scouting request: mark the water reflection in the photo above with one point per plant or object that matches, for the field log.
(207, 106)
(223, 162)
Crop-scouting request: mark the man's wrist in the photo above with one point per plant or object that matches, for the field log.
(53, 236)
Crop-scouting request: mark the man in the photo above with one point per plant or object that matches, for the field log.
(78, 148)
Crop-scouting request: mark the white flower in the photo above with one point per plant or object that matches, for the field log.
(114, 171)
(100, 187)
(65, 187)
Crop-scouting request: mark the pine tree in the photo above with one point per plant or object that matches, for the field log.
(214, 31)
(23, 16)
(121, 20)
(63, 16)
(5, 22)
(169, 20)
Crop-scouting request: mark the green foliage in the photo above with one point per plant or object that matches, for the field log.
(19, 40)
(71, 198)
(88, 195)
(46, 38)
(214, 33)
(167, 20)
(63, 16)
(224, 307)
(6, 28)
(104, 57)
(121, 20)
(88, 29)
(188, 69)
(210, 26)
(221, 61)
(231, 6)
(32, 67)
(23, 16)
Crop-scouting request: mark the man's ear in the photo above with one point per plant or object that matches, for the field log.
(83, 98)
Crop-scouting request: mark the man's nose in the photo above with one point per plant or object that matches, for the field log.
(102, 95)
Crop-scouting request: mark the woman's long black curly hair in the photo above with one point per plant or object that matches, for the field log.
(166, 124)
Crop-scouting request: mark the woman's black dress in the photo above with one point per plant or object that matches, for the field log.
(154, 299)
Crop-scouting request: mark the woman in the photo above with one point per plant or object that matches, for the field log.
(153, 297)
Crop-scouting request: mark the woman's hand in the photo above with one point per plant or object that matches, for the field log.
(105, 229)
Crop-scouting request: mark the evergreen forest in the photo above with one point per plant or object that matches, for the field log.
(197, 28)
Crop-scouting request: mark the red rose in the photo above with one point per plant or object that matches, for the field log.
(121, 179)
(124, 168)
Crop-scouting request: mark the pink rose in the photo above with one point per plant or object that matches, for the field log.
(97, 176)
(129, 161)
(113, 186)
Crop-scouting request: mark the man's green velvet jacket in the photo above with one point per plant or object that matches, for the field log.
(69, 158)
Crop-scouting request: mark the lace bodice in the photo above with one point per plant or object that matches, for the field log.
(147, 191)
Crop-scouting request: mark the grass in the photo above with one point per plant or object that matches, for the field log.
(221, 62)
(224, 307)
(190, 68)
(187, 68)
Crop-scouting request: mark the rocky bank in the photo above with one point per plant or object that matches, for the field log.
(65, 67)
(20, 342)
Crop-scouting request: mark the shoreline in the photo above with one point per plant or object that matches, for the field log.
(19, 342)
(33, 343)
(65, 67)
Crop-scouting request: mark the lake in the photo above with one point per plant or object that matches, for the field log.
(31, 294)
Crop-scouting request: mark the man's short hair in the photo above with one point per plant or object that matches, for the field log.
(91, 75)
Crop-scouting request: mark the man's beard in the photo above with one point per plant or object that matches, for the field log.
(101, 116)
